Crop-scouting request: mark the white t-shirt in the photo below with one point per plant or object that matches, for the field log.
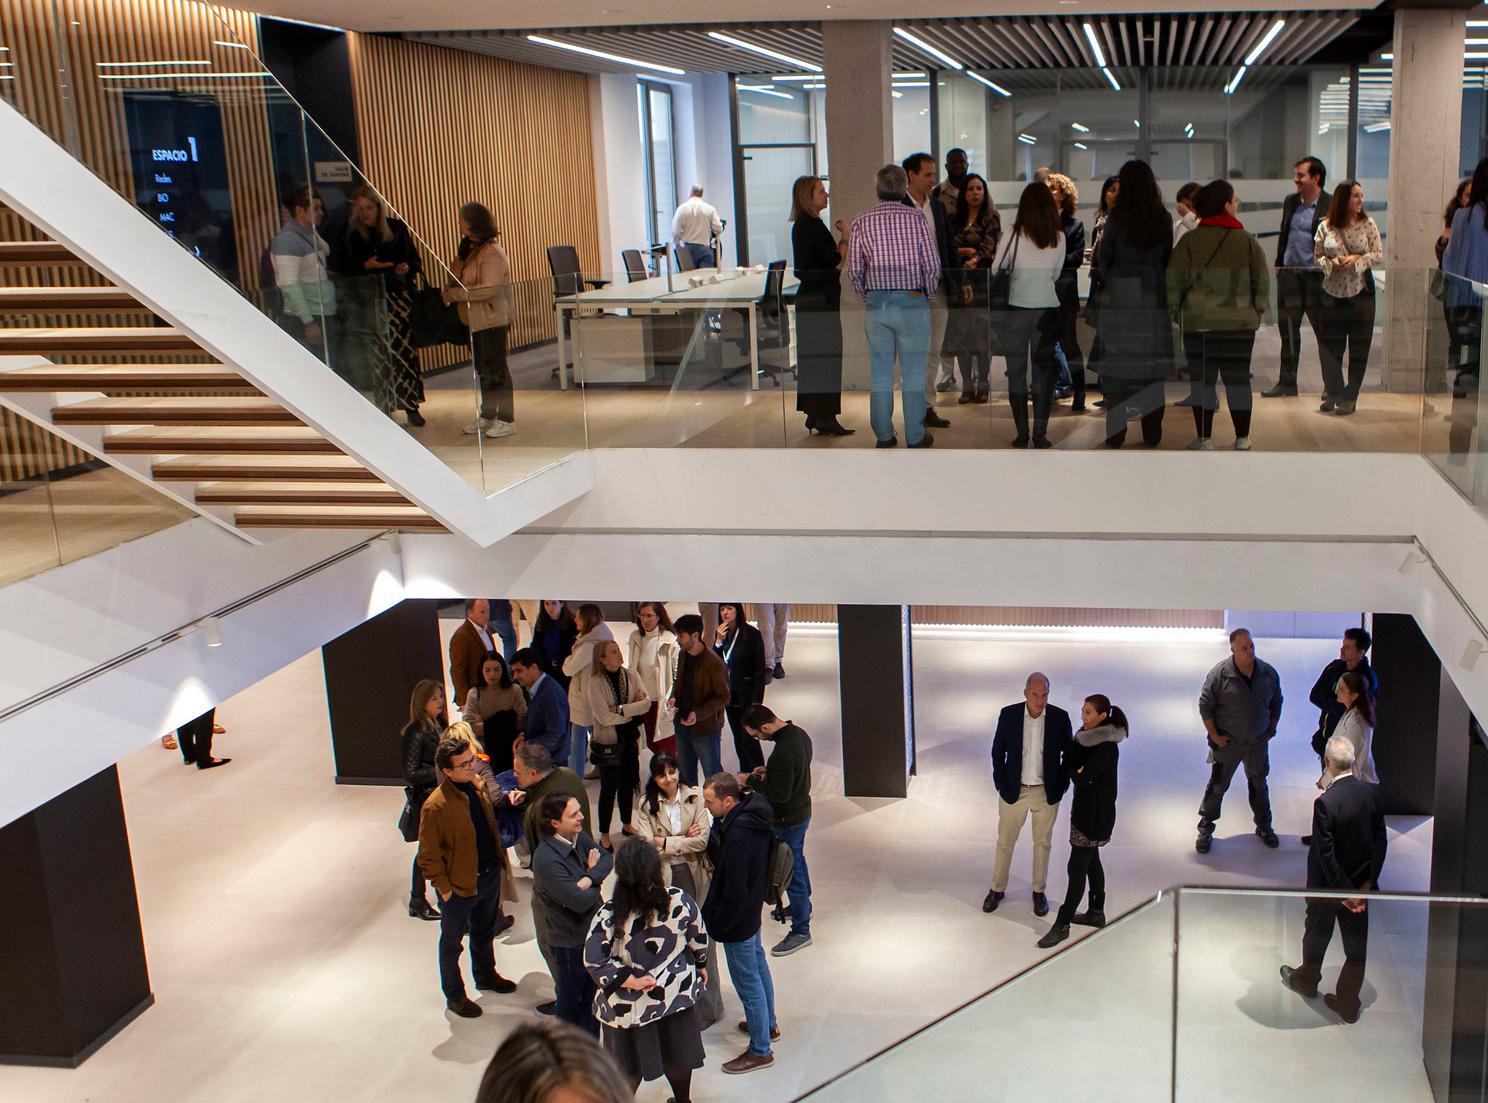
(1033, 748)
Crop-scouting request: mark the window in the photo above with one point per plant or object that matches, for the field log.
(659, 155)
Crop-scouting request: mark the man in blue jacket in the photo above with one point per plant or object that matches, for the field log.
(547, 704)
(1028, 770)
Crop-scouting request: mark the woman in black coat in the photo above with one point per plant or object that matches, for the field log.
(818, 257)
(1129, 306)
(553, 635)
(742, 650)
(1067, 286)
(420, 738)
(1091, 761)
(378, 245)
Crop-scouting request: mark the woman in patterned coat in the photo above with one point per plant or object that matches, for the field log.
(648, 956)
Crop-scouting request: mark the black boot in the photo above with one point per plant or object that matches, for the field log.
(1095, 915)
(1057, 933)
(1019, 402)
(419, 908)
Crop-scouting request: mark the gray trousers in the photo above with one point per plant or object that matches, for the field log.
(773, 622)
(1256, 758)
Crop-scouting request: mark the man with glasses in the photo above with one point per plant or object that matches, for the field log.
(460, 852)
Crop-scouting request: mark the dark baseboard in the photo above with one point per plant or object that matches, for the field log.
(398, 781)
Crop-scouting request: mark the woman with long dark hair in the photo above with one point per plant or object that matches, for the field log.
(377, 245)
(742, 649)
(1109, 191)
(1136, 331)
(420, 738)
(553, 635)
(1348, 245)
(975, 229)
(653, 659)
(1091, 761)
(485, 297)
(495, 711)
(648, 956)
(818, 262)
(1033, 254)
(1357, 723)
(1466, 257)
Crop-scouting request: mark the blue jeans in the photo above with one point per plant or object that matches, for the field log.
(800, 882)
(703, 750)
(898, 326)
(476, 916)
(575, 989)
(578, 747)
(702, 255)
(507, 633)
(750, 972)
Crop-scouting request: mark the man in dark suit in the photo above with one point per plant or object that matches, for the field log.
(1028, 750)
(546, 724)
(920, 169)
(1353, 654)
(469, 647)
(1299, 280)
(1347, 854)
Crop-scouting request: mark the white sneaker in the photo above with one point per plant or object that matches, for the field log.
(1242, 444)
(500, 428)
(479, 425)
(1201, 444)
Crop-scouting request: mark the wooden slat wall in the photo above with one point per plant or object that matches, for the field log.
(441, 127)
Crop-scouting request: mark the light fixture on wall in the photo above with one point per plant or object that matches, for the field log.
(1028, 139)
(920, 44)
(573, 47)
(763, 51)
(212, 629)
(1079, 128)
(1081, 145)
(992, 84)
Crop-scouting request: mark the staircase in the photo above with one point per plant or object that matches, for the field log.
(87, 362)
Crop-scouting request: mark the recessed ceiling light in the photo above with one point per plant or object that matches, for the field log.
(992, 84)
(617, 58)
(765, 51)
(921, 44)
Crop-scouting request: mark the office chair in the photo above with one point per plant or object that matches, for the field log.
(684, 259)
(568, 279)
(635, 265)
(774, 321)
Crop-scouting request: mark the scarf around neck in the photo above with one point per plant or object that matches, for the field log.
(1228, 221)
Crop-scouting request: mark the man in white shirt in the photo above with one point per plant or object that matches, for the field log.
(1028, 770)
(919, 169)
(694, 227)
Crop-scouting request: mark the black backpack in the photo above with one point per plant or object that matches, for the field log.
(779, 866)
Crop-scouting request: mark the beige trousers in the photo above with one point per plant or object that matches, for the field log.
(1010, 817)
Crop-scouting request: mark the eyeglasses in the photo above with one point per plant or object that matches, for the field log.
(463, 765)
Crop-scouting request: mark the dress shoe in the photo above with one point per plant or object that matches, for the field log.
(966, 399)
(982, 394)
(1092, 917)
(211, 763)
(1343, 407)
(415, 419)
(993, 898)
(779, 670)
(496, 983)
(1326, 406)
(1279, 391)
(926, 441)
(420, 908)
(504, 924)
(1040, 905)
(1348, 1015)
(1287, 973)
(1057, 934)
(548, 1009)
(748, 1061)
(1305, 840)
(892, 442)
(774, 1030)
(1042, 442)
(1204, 841)
(935, 421)
(1267, 836)
(831, 427)
(464, 1007)
(1020, 441)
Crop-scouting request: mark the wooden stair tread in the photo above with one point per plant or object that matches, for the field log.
(290, 494)
(337, 517)
(95, 339)
(124, 377)
(35, 252)
(238, 469)
(180, 411)
(58, 299)
(241, 440)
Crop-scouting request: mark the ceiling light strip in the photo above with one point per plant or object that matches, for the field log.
(763, 51)
(618, 59)
(921, 44)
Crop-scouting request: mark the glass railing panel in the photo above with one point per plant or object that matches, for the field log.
(1453, 408)
(195, 130)
(692, 359)
(1091, 1022)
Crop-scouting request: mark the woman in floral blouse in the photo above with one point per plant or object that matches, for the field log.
(648, 956)
(1347, 246)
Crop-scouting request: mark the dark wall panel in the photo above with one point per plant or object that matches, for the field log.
(874, 667)
(1405, 731)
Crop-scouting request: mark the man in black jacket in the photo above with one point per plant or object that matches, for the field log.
(1299, 280)
(1353, 654)
(1028, 771)
(920, 169)
(739, 848)
(1347, 854)
(785, 780)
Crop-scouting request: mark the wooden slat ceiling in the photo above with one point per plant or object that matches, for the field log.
(1217, 40)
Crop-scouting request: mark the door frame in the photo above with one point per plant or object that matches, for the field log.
(741, 188)
(648, 155)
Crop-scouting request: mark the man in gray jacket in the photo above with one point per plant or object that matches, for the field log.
(1240, 705)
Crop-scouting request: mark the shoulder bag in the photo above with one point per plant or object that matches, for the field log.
(1183, 295)
(1000, 283)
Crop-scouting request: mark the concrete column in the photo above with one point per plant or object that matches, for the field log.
(858, 59)
(1425, 133)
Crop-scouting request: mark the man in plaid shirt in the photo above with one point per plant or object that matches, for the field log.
(894, 265)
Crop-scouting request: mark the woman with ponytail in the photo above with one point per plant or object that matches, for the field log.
(1091, 761)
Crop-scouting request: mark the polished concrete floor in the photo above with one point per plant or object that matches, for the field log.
(284, 965)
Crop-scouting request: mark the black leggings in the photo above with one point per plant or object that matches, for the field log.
(679, 1080)
(623, 777)
(419, 884)
(1084, 864)
(1221, 354)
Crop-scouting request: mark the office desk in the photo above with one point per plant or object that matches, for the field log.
(729, 289)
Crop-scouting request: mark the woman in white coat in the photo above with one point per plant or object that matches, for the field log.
(579, 667)
(617, 701)
(653, 658)
(1357, 724)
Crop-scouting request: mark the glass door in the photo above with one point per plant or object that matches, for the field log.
(660, 158)
(770, 171)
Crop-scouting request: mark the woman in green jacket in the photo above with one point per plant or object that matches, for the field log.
(1219, 287)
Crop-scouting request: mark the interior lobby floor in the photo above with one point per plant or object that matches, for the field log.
(284, 965)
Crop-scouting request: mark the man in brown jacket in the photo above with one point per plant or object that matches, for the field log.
(699, 697)
(469, 647)
(460, 852)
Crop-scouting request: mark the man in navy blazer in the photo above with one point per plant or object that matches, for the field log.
(547, 704)
(1028, 769)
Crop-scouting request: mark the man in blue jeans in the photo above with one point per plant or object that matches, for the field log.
(739, 848)
(893, 263)
(699, 699)
(785, 781)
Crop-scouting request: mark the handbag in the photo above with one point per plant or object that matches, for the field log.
(434, 321)
(604, 754)
(1000, 283)
(408, 822)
